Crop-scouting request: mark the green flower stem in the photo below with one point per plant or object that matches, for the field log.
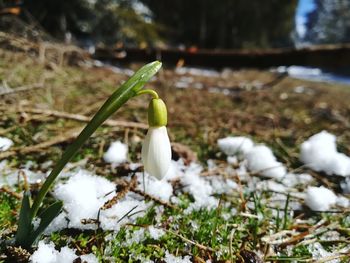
(148, 91)
(128, 90)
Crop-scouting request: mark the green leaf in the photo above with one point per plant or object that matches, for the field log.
(24, 221)
(46, 217)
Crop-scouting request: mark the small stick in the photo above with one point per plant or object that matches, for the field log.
(200, 246)
(6, 190)
(148, 196)
(83, 118)
(329, 258)
(121, 194)
(22, 89)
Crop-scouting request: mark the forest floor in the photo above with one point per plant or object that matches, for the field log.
(203, 106)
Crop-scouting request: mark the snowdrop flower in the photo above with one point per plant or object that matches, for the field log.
(156, 149)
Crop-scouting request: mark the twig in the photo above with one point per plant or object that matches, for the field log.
(6, 190)
(230, 248)
(22, 89)
(127, 214)
(82, 118)
(125, 188)
(200, 246)
(329, 258)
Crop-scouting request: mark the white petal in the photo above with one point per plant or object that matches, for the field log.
(144, 151)
(156, 152)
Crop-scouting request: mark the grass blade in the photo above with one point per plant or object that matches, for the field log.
(47, 216)
(24, 221)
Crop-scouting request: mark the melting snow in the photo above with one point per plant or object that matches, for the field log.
(161, 189)
(261, 160)
(83, 194)
(345, 185)
(5, 143)
(197, 72)
(87, 193)
(318, 252)
(46, 253)
(320, 198)
(233, 145)
(12, 177)
(117, 153)
(320, 153)
(156, 233)
(199, 188)
(169, 258)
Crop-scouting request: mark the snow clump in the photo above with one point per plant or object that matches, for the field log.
(156, 233)
(199, 188)
(261, 159)
(5, 144)
(319, 198)
(318, 252)
(46, 253)
(161, 189)
(84, 194)
(169, 258)
(234, 145)
(320, 153)
(117, 153)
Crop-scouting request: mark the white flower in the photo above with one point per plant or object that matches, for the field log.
(156, 152)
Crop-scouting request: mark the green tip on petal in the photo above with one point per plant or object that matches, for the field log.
(157, 113)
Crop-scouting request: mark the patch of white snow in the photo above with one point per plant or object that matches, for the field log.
(235, 145)
(5, 144)
(319, 198)
(117, 153)
(320, 153)
(261, 160)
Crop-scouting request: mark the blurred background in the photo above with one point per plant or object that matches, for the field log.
(228, 24)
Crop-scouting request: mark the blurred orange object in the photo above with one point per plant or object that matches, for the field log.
(180, 63)
(192, 49)
(11, 11)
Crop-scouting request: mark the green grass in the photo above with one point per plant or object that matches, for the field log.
(8, 207)
(197, 119)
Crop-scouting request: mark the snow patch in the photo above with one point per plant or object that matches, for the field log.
(117, 153)
(261, 160)
(320, 153)
(5, 144)
(319, 198)
(46, 253)
(157, 188)
(123, 212)
(318, 252)
(169, 258)
(156, 233)
(345, 185)
(83, 195)
(235, 145)
(199, 188)
(197, 72)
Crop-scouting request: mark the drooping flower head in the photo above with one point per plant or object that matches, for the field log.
(156, 149)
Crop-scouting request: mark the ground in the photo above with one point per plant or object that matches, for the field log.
(273, 109)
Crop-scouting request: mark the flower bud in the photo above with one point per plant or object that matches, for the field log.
(156, 152)
(157, 113)
(156, 149)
